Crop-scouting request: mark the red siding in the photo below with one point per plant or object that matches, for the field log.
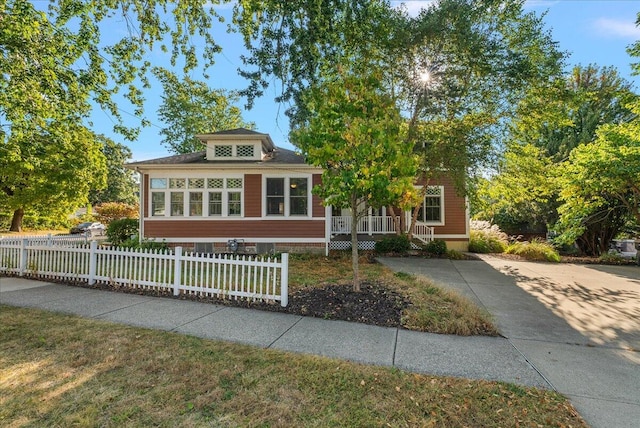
(455, 209)
(234, 229)
(145, 195)
(317, 207)
(252, 195)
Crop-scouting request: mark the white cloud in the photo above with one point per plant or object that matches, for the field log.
(413, 6)
(617, 28)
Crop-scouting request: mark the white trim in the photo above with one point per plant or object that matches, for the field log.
(287, 197)
(233, 168)
(212, 144)
(442, 210)
(246, 239)
(467, 215)
(233, 218)
(451, 236)
(205, 195)
(141, 197)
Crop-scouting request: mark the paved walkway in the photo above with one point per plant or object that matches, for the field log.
(578, 325)
(560, 333)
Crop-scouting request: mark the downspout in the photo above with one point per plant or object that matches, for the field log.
(141, 207)
(327, 229)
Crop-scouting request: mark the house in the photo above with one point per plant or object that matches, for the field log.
(243, 190)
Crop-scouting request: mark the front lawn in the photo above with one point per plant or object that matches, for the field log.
(59, 370)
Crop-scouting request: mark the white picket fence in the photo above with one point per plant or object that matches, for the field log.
(48, 239)
(219, 275)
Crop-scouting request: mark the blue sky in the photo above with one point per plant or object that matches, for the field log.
(592, 31)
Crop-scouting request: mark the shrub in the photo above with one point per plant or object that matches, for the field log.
(437, 247)
(487, 238)
(455, 255)
(121, 231)
(110, 211)
(613, 259)
(535, 250)
(487, 241)
(393, 244)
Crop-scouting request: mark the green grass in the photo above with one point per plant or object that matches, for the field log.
(58, 370)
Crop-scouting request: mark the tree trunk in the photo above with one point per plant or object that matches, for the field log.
(16, 221)
(397, 225)
(354, 244)
(416, 210)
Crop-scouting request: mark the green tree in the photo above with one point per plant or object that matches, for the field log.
(50, 171)
(189, 107)
(567, 114)
(299, 42)
(601, 187)
(353, 133)
(54, 64)
(552, 123)
(461, 78)
(479, 57)
(523, 196)
(121, 182)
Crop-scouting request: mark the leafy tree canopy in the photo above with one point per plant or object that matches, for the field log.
(189, 107)
(121, 184)
(50, 170)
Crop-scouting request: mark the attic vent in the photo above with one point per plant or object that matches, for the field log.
(223, 151)
(245, 151)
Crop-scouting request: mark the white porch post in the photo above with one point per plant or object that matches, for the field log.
(407, 221)
(370, 221)
(327, 229)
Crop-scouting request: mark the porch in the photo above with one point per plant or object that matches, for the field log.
(371, 225)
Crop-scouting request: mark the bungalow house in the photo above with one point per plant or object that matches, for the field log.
(243, 190)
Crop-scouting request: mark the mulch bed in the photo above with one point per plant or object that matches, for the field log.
(374, 304)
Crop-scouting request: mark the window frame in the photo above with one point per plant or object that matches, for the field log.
(423, 207)
(205, 191)
(287, 196)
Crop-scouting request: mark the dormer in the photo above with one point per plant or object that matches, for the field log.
(237, 144)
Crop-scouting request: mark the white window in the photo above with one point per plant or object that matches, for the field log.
(177, 204)
(177, 183)
(223, 151)
(197, 197)
(287, 196)
(215, 204)
(195, 204)
(157, 203)
(432, 208)
(158, 183)
(245, 151)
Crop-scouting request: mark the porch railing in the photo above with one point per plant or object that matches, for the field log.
(423, 232)
(366, 225)
(377, 225)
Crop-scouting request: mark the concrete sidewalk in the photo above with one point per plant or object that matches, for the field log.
(579, 325)
(491, 358)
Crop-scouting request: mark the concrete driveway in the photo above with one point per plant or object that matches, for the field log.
(578, 325)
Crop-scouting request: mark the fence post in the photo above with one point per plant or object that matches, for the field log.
(23, 256)
(177, 271)
(49, 240)
(284, 280)
(93, 256)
